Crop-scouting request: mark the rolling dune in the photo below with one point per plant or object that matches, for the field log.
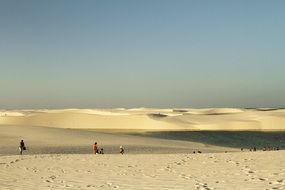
(149, 119)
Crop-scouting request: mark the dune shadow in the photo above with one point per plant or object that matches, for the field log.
(234, 139)
(157, 115)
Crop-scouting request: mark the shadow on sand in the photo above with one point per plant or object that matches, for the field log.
(234, 139)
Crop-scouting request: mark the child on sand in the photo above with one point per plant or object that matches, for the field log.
(95, 148)
(122, 151)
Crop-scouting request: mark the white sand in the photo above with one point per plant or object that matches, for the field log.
(244, 170)
(149, 119)
(60, 154)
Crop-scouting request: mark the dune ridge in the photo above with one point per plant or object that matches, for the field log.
(149, 118)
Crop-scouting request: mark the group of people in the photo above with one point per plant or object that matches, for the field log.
(265, 148)
(96, 149)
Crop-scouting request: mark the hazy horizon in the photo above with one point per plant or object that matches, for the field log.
(129, 108)
(128, 54)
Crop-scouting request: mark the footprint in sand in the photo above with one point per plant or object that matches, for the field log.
(279, 182)
(109, 184)
(149, 176)
(92, 186)
(123, 174)
(229, 161)
(14, 161)
(263, 179)
(233, 162)
(50, 179)
(168, 168)
(53, 177)
(203, 186)
(184, 176)
(275, 188)
(247, 171)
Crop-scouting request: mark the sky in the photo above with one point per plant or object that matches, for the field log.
(147, 53)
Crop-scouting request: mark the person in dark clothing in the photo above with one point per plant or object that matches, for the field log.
(22, 147)
(122, 151)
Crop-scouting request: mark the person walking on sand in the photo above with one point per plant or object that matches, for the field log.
(95, 148)
(22, 147)
(122, 151)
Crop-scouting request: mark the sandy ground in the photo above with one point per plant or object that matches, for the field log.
(243, 170)
(46, 140)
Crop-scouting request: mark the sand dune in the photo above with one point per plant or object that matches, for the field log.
(60, 155)
(245, 170)
(149, 119)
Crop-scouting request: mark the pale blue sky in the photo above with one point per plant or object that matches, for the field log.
(148, 53)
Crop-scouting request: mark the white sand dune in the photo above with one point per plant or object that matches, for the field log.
(10, 113)
(60, 155)
(149, 119)
(244, 170)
